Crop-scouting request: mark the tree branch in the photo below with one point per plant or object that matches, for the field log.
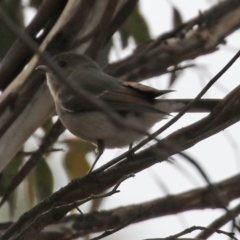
(201, 198)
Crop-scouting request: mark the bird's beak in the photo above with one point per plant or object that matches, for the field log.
(42, 68)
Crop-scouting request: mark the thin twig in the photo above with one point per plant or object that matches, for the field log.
(194, 228)
(215, 191)
(110, 232)
(56, 213)
(219, 222)
(29, 153)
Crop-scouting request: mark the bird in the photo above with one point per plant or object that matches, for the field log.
(136, 104)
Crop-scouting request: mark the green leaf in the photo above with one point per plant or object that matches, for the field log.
(9, 172)
(35, 3)
(47, 126)
(75, 160)
(30, 188)
(6, 177)
(177, 17)
(14, 10)
(43, 180)
(136, 27)
(104, 54)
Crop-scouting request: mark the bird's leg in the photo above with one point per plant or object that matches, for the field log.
(101, 148)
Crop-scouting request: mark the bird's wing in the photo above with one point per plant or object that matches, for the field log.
(149, 92)
(119, 96)
(94, 83)
(128, 99)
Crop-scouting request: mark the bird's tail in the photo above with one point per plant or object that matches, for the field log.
(176, 105)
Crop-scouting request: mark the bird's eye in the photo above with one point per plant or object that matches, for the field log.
(62, 64)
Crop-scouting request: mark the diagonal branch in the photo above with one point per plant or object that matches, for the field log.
(19, 54)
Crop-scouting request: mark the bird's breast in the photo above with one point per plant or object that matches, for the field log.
(93, 126)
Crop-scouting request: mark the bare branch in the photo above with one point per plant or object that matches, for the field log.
(18, 56)
(201, 198)
(56, 213)
(197, 37)
(219, 222)
(194, 228)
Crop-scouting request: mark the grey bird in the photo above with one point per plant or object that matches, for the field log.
(135, 103)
